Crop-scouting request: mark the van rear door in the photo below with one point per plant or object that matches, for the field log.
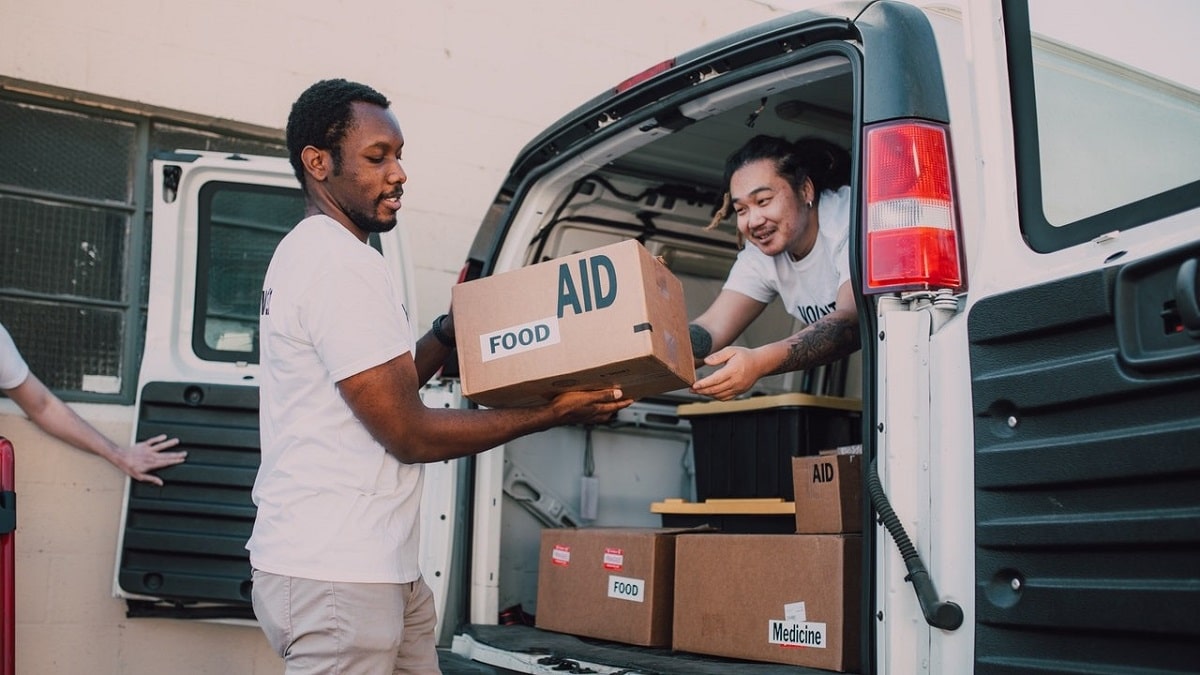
(1084, 342)
(217, 219)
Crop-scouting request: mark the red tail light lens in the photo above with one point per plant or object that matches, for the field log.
(645, 75)
(911, 220)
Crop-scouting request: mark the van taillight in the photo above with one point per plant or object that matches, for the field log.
(911, 220)
(645, 75)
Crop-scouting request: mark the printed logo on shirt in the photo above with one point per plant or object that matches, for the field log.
(264, 302)
(811, 313)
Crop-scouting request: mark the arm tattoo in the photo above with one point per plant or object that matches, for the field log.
(823, 341)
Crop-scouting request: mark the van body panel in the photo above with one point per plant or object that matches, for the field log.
(907, 81)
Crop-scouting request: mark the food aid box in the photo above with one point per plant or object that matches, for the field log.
(609, 316)
(828, 491)
(781, 598)
(608, 583)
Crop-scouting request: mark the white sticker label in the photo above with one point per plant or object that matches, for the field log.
(624, 588)
(561, 555)
(101, 384)
(792, 634)
(517, 339)
(795, 612)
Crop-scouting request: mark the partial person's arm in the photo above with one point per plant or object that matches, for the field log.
(725, 319)
(827, 339)
(431, 353)
(387, 400)
(56, 418)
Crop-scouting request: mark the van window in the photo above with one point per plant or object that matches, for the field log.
(1102, 118)
(240, 225)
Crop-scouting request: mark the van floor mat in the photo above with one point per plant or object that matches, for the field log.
(641, 660)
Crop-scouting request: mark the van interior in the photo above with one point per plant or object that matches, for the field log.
(660, 181)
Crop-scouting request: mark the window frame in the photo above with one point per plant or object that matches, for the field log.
(1039, 233)
(204, 267)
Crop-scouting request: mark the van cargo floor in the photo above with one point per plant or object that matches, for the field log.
(558, 648)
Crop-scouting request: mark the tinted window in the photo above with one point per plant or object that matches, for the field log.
(1106, 105)
(240, 225)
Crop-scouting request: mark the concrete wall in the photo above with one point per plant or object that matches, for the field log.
(472, 82)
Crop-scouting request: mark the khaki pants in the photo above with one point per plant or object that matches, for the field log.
(335, 628)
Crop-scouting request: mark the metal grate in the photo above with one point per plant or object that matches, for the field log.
(75, 236)
(66, 153)
(171, 137)
(69, 347)
(59, 249)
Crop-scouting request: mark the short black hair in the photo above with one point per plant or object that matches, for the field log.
(826, 164)
(321, 116)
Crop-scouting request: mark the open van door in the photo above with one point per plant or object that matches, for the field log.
(217, 219)
(1082, 351)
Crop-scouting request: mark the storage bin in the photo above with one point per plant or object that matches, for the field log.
(744, 448)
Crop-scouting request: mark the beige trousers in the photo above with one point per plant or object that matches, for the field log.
(335, 628)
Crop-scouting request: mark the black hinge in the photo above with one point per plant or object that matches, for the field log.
(8, 511)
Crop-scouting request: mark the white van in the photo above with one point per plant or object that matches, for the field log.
(1027, 397)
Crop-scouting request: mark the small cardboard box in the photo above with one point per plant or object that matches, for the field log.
(828, 493)
(610, 316)
(608, 583)
(782, 598)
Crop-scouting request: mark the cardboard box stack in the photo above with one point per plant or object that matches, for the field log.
(610, 316)
(782, 598)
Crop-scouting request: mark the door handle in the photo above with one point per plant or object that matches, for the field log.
(1187, 296)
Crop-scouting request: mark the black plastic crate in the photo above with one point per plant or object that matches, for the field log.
(744, 448)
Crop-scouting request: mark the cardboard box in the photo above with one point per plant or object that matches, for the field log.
(608, 583)
(610, 316)
(782, 598)
(828, 493)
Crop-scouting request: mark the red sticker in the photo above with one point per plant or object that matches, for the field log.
(614, 559)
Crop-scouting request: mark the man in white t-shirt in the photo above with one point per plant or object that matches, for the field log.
(336, 583)
(56, 418)
(793, 205)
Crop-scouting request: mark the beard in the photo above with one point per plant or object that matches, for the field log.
(369, 222)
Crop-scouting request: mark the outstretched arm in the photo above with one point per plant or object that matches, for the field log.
(56, 418)
(387, 401)
(827, 339)
(725, 319)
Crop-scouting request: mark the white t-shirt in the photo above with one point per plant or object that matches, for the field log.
(13, 369)
(333, 505)
(807, 287)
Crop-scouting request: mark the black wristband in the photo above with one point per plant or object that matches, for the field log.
(440, 334)
(701, 341)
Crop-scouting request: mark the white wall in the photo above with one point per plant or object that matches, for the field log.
(472, 81)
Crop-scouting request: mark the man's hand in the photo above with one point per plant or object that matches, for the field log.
(588, 407)
(140, 459)
(741, 370)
